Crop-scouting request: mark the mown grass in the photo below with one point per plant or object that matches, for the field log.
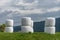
(29, 36)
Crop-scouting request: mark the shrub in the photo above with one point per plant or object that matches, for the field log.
(2, 27)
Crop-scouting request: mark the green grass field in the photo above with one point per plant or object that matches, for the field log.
(29, 36)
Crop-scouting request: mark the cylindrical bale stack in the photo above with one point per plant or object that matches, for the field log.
(50, 25)
(9, 26)
(26, 24)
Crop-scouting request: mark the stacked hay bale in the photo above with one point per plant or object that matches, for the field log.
(50, 25)
(9, 26)
(26, 25)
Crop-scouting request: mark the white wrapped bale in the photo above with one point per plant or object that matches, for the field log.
(9, 29)
(26, 21)
(9, 23)
(50, 30)
(32, 23)
(26, 29)
(50, 25)
(50, 22)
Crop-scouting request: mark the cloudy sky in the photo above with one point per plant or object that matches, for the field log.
(38, 10)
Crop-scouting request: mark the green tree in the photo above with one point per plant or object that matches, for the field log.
(2, 27)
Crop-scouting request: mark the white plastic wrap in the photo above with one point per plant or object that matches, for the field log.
(9, 29)
(9, 23)
(26, 21)
(50, 30)
(26, 29)
(50, 22)
(32, 23)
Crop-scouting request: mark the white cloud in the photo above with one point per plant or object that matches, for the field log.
(55, 9)
(41, 10)
(35, 11)
(57, 1)
(31, 11)
(28, 5)
(4, 2)
(22, 2)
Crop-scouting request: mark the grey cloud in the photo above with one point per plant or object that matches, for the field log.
(13, 11)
